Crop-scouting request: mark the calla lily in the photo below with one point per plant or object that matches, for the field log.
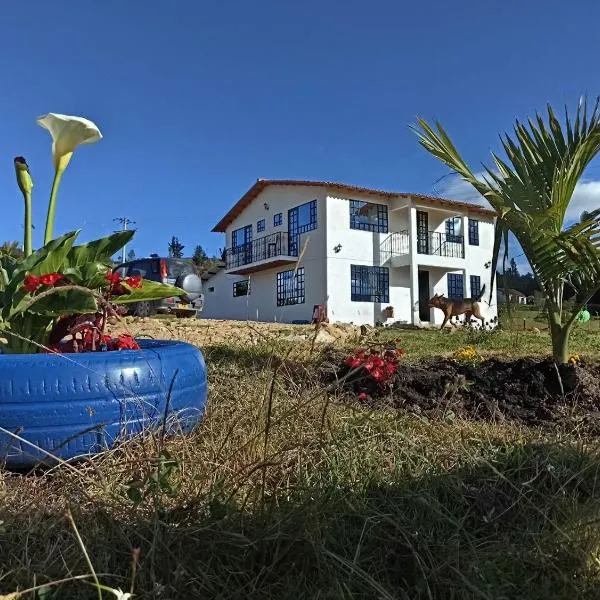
(67, 133)
(26, 186)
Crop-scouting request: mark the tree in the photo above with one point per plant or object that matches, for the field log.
(12, 249)
(131, 255)
(176, 248)
(200, 257)
(531, 191)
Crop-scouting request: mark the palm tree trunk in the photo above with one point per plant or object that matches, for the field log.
(560, 335)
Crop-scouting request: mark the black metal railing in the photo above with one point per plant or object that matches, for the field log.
(430, 242)
(395, 244)
(440, 244)
(270, 246)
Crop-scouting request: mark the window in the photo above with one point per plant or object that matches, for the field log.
(241, 288)
(277, 220)
(241, 236)
(475, 286)
(368, 217)
(473, 232)
(455, 286)
(453, 230)
(290, 287)
(140, 267)
(260, 225)
(303, 218)
(369, 284)
(211, 289)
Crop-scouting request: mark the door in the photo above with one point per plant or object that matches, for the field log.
(241, 242)
(422, 232)
(424, 310)
(293, 226)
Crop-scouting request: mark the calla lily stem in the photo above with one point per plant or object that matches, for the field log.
(52, 206)
(27, 247)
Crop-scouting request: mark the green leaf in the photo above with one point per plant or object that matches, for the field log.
(99, 251)
(48, 259)
(150, 290)
(64, 303)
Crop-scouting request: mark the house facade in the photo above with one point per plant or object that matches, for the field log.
(355, 252)
(514, 297)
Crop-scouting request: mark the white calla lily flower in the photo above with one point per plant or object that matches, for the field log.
(67, 133)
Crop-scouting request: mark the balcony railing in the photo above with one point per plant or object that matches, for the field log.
(270, 246)
(430, 242)
(441, 244)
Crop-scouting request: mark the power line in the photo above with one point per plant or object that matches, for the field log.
(124, 222)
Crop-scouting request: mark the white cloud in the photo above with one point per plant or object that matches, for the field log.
(585, 197)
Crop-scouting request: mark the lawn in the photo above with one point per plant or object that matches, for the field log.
(288, 490)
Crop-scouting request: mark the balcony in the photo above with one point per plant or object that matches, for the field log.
(267, 252)
(433, 248)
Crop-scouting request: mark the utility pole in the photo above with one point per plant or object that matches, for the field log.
(124, 222)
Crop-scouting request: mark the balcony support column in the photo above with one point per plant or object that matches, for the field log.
(414, 267)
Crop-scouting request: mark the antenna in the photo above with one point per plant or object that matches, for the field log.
(124, 222)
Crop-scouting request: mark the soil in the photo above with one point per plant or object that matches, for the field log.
(530, 391)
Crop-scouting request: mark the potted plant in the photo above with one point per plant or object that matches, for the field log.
(67, 387)
(388, 312)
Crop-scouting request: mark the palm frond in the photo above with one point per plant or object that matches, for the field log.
(531, 190)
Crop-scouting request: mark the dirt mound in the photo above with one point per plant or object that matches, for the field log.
(529, 391)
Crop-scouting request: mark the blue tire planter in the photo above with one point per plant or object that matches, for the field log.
(80, 404)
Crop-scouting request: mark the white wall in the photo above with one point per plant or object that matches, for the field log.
(365, 248)
(261, 303)
(327, 272)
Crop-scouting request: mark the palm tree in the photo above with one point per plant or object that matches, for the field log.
(530, 191)
(12, 249)
(586, 215)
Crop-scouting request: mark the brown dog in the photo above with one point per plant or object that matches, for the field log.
(458, 306)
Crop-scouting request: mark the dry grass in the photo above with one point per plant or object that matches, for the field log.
(284, 493)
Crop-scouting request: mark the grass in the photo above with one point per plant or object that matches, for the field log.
(285, 493)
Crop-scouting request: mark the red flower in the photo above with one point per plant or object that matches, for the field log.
(51, 278)
(390, 369)
(377, 374)
(126, 342)
(113, 278)
(362, 396)
(134, 282)
(31, 283)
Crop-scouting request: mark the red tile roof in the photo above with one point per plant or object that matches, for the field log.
(261, 184)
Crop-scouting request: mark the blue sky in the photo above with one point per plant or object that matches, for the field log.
(196, 100)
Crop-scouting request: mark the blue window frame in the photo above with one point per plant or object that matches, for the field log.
(241, 243)
(369, 284)
(301, 219)
(456, 285)
(290, 287)
(260, 226)
(367, 216)
(453, 230)
(241, 236)
(473, 232)
(277, 219)
(475, 281)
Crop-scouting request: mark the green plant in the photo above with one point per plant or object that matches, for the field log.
(531, 192)
(65, 290)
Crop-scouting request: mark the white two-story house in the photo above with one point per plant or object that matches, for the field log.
(355, 252)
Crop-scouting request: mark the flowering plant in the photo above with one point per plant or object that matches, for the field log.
(468, 354)
(59, 297)
(370, 370)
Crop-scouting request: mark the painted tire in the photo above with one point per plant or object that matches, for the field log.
(81, 404)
